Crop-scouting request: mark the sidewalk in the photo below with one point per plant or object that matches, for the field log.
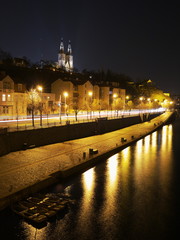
(22, 169)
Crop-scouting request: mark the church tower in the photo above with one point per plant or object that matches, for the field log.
(61, 55)
(69, 58)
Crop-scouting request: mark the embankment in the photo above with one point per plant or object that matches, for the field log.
(15, 141)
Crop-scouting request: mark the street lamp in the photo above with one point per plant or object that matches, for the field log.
(60, 109)
(40, 89)
(126, 103)
(141, 99)
(90, 93)
(114, 100)
(65, 96)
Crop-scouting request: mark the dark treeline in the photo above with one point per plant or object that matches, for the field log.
(45, 72)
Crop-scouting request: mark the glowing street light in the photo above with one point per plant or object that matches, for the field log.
(114, 99)
(115, 95)
(40, 88)
(90, 93)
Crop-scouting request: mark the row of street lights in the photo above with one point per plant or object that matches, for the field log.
(90, 94)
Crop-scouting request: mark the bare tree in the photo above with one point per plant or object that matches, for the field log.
(33, 100)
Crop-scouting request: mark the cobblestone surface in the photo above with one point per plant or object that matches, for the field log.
(21, 169)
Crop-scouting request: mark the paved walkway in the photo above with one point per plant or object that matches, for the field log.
(19, 170)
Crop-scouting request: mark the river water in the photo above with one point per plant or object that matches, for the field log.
(132, 195)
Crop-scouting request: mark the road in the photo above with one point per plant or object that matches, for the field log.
(55, 120)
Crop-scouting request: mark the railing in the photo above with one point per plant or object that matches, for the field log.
(23, 124)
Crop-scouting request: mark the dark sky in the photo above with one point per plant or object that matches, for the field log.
(138, 38)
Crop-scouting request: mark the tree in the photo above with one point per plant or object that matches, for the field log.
(33, 100)
(5, 57)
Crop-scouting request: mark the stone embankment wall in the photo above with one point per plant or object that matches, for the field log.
(14, 141)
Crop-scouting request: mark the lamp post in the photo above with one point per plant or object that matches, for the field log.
(114, 100)
(65, 96)
(40, 89)
(60, 109)
(90, 93)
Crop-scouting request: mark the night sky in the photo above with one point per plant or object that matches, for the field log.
(138, 38)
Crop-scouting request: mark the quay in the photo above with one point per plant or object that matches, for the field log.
(25, 172)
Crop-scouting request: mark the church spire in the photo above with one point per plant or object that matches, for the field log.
(69, 50)
(61, 50)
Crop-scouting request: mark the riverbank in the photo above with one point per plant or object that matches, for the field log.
(24, 139)
(25, 172)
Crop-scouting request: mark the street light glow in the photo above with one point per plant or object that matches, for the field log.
(115, 95)
(90, 93)
(65, 94)
(39, 88)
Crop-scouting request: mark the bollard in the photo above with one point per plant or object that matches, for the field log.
(84, 155)
(123, 139)
(90, 151)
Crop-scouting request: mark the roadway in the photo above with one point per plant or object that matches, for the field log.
(56, 120)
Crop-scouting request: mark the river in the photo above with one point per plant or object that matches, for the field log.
(134, 194)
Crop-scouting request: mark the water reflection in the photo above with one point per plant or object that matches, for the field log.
(131, 189)
(32, 233)
(165, 156)
(125, 165)
(86, 210)
(152, 169)
(111, 190)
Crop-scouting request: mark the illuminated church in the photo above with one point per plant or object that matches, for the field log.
(65, 60)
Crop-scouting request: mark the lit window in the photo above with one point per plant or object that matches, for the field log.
(9, 97)
(4, 97)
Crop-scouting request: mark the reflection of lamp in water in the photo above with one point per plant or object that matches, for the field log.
(154, 139)
(88, 179)
(111, 187)
(112, 168)
(147, 142)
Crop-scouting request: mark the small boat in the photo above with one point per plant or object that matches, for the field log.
(40, 209)
(32, 216)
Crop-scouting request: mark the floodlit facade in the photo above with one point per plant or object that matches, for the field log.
(13, 99)
(15, 102)
(65, 60)
(85, 96)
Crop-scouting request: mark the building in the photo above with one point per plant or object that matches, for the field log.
(82, 96)
(13, 100)
(16, 102)
(65, 60)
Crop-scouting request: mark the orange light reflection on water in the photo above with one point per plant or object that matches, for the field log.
(86, 205)
(166, 155)
(32, 233)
